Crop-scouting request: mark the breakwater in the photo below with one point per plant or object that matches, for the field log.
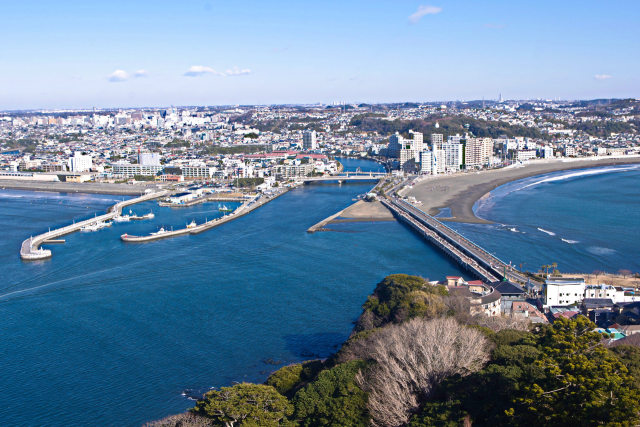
(30, 249)
(245, 208)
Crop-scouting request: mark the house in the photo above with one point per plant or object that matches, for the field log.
(524, 310)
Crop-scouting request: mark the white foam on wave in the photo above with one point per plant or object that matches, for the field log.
(571, 242)
(599, 250)
(578, 174)
(550, 233)
(514, 230)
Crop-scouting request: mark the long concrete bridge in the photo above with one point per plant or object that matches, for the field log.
(467, 254)
(347, 176)
(30, 249)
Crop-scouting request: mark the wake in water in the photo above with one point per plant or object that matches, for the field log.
(571, 242)
(550, 233)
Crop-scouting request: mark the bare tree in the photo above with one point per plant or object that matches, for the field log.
(410, 359)
(625, 273)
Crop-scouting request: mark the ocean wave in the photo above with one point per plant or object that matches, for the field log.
(577, 174)
(514, 230)
(571, 242)
(550, 233)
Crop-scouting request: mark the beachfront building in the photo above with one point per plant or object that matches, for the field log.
(563, 291)
(406, 149)
(453, 154)
(80, 162)
(425, 162)
(478, 152)
(128, 170)
(524, 155)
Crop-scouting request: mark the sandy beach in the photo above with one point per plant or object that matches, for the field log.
(461, 191)
(76, 187)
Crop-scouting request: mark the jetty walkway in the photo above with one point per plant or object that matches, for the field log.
(30, 249)
(347, 176)
(466, 253)
(245, 208)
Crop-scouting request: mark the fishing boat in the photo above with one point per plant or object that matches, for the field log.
(161, 231)
(192, 224)
(122, 218)
(224, 208)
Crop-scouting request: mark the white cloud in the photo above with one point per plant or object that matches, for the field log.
(423, 11)
(199, 70)
(602, 76)
(118, 76)
(141, 73)
(238, 72)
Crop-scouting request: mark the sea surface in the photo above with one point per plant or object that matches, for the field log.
(108, 333)
(584, 220)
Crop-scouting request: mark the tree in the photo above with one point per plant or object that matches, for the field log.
(333, 399)
(625, 273)
(245, 404)
(410, 359)
(582, 382)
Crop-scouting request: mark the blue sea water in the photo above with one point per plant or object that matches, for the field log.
(584, 220)
(108, 333)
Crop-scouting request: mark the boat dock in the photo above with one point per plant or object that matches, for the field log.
(467, 254)
(217, 197)
(30, 249)
(245, 208)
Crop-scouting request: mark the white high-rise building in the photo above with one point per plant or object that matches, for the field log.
(80, 162)
(309, 141)
(436, 140)
(453, 153)
(478, 151)
(425, 162)
(406, 149)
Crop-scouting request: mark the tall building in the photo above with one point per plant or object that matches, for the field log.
(436, 140)
(80, 162)
(478, 152)
(406, 149)
(453, 153)
(309, 140)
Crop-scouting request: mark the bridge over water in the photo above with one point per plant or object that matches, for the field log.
(347, 176)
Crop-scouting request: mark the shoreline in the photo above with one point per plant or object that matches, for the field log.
(460, 192)
(76, 187)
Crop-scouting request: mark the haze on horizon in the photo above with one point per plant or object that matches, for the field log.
(73, 54)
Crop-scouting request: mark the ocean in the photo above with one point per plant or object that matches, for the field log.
(108, 333)
(584, 220)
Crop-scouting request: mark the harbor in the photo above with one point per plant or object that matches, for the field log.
(30, 249)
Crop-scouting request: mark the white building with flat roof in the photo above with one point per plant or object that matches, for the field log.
(80, 162)
(563, 291)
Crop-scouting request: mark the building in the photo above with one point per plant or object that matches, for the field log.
(309, 141)
(149, 159)
(425, 162)
(128, 170)
(563, 291)
(406, 149)
(80, 162)
(452, 154)
(478, 152)
(524, 155)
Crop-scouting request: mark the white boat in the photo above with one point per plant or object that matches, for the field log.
(192, 224)
(150, 215)
(89, 227)
(161, 231)
(121, 218)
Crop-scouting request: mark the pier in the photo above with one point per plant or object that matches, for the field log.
(245, 208)
(347, 176)
(467, 254)
(30, 249)
(217, 197)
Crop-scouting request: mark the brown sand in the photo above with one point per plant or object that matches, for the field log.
(461, 191)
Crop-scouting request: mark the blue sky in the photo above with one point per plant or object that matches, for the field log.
(74, 54)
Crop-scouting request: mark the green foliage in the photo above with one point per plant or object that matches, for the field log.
(245, 405)
(333, 399)
(177, 143)
(558, 375)
(399, 297)
(287, 380)
(144, 177)
(248, 182)
(251, 135)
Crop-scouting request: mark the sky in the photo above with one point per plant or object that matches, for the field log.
(83, 54)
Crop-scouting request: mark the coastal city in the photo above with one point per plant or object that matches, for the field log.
(278, 143)
(318, 214)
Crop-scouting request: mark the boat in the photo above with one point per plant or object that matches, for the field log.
(122, 218)
(161, 231)
(192, 224)
(95, 226)
(134, 217)
(224, 208)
